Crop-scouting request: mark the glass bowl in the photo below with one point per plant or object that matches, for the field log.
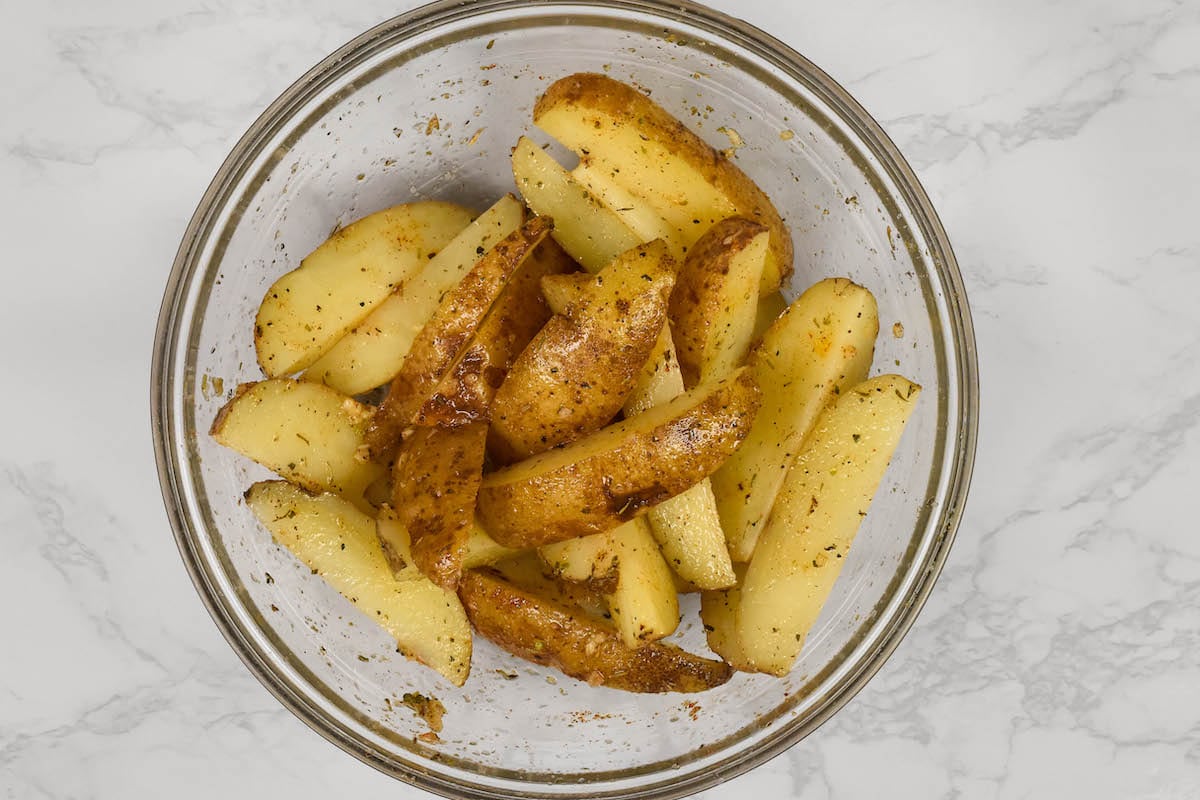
(356, 134)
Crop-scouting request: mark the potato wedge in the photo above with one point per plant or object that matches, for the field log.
(553, 634)
(576, 373)
(528, 572)
(338, 542)
(588, 558)
(643, 604)
(307, 433)
(373, 352)
(447, 334)
(687, 526)
(769, 309)
(620, 132)
(337, 285)
(637, 215)
(435, 480)
(560, 291)
(819, 510)
(616, 474)
(587, 230)
(718, 612)
(481, 549)
(822, 345)
(715, 302)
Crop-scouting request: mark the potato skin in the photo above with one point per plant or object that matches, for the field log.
(576, 373)
(606, 479)
(626, 105)
(551, 634)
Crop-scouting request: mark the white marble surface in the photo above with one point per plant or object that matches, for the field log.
(1059, 656)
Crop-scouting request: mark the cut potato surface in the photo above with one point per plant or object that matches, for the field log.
(338, 542)
(819, 510)
(643, 604)
(587, 230)
(553, 634)
(372, 353)
(621, 133)
(616, 474)
(588, 558)
(820, 346)
(341, 282)
(481, 549)
(310, 434)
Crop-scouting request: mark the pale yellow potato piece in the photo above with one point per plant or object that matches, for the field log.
(373, 352)
(687, 526)
(715, 302)
(637, 215)
(587, 558)
(339, 543)
(481, 550)
(820, 346)
(819, 510)
(307, 310)
(769, 309)
(585, 228)
(621, 133)
(308, 433)
(718, 612)
(644, 605)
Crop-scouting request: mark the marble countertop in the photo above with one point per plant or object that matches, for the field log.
(1059, 655)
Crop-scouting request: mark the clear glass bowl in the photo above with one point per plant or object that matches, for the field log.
(354, 135)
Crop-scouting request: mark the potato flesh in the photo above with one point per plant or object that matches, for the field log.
(341, 282)
(639, 217)
(481, 549)
(821, 346)
(818, 512)
(643, 605)
(573, 377)
(309, 434)
(373, 352)
(588, 558)
(339, 543)
(583, 226)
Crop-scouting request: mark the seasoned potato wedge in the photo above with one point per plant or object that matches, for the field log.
(481, 549)
(637, 215)
(587, 230)
(436, 479)
(343, 280)
(588, 558)
(307, 433)
(618, 131)
(338, 542)
(614, 475)
(527, 572)
(560, 291)
(687, 526)
(818, 512)
(643, 604)
(715, 302)
(822, 345)
(372, 353)
(446, 335)
(553, 634)
(574, 376)
(769, 309)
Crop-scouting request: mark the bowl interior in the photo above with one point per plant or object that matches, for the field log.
(430, 111)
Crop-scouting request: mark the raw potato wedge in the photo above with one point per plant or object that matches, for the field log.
(560, 291)
(307, 310)
(618, 131)
(574, 376)
(307, 433)
(587, 230)
(553, 634)
(819, 510)
(372, 353)
(614, 475)
(718, 612)
(715, 302)
(769, 309)
(687, 526)
(481, 549)
(822, 345)
(639, 217)
(588, 558)
(528, 573)
(338, 542)
(644, 605)
(436, 479)
(447, 334)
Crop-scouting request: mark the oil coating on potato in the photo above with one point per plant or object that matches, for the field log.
(576, 373)
(552, 634)
(618, 473)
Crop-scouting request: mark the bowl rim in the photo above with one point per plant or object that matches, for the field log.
(780, 56)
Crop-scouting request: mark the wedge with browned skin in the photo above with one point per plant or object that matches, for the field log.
(373, 352)
(619, 472)
(715, 302)
(309, 434)
(447, 335)
(556, 635)
(621, 133)
(338, 542)
(341, 282)
(576, 373)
